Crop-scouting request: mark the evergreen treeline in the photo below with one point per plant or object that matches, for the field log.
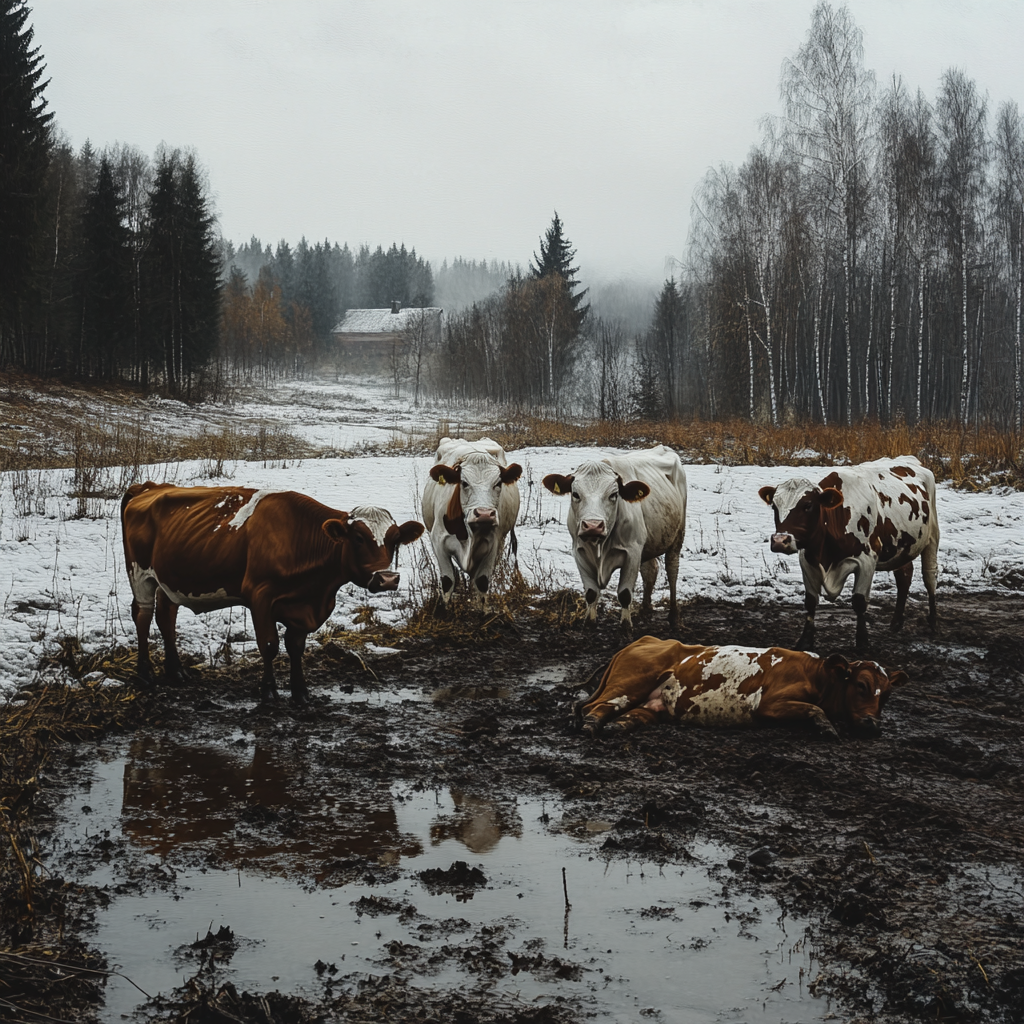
(866, 258)
(281, 305)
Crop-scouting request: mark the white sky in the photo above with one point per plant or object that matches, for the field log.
(458, 127)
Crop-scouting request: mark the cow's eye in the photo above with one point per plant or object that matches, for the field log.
(613, 496)
(575, 496)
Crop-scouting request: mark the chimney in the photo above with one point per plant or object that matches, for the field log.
(396, 305)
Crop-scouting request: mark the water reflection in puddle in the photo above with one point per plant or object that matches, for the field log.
(642, 937)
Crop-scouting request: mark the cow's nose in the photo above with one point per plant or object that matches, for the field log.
(783, 543)
(592, 528)
(486, 513)
(870, 726)
(381, 581)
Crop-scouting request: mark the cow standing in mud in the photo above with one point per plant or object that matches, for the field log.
(664, 680)
(859, 519)
(470, 505)
(626, 511)
(280, 554)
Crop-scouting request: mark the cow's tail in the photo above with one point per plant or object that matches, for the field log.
(133, 492)
(513, 542)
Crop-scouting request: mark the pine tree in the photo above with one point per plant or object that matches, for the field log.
(25, 145)
(556, 257)
(105, 282)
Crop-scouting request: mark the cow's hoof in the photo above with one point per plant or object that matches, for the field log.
(591, 726)
(300, 700)
(896, 625)
(178, 676)
(590, 623)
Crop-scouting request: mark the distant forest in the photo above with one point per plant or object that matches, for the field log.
(866, 261)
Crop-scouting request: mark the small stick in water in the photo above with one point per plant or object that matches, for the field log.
(565, 891)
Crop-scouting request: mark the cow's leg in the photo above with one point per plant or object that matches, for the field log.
(166, 620)
(796, 711)
(903, 577)
(295, 645)
(600, 711)
(267, 642)
(862, 577)
(930, 572)
(649, 574)
(672, 568)
(483, 574)
(594, 685)
(591, 594)
(627, 588)
(142, 615)
(446, 571)
(812, 587)
(635, 718)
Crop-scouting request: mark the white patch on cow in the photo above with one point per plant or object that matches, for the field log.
(619, 702)
(378, 520)
(788, 495)
(775, 660)
(239, 518)
(670, 694)
(878, 693)
(734, 663)
(143, 583)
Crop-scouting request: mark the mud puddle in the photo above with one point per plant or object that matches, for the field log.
(441, 887)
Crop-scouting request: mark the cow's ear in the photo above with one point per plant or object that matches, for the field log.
(558, 484)
(337, 529)
(635, 490)
(899, 679)
(410, 531)
(446, 474)
(510, 474)
(839, 667)
(767, 494)
(830, 497)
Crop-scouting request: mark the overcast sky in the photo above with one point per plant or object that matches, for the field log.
(458, 127)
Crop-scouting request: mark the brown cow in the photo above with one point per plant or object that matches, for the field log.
(279, 553)
(653, 680)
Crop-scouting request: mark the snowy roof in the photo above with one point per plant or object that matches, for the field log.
(383, 321)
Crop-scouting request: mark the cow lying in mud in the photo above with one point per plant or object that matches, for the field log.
(280, 554)
(660, 680)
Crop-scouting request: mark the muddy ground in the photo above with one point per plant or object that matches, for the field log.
(903, 855)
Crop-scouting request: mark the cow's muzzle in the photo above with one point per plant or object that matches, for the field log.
(592, 529)
(784, 543)
(483, 518)
(381, 581)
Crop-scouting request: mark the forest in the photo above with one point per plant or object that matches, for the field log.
(863, 262)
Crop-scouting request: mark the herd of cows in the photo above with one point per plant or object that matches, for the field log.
(284, 556)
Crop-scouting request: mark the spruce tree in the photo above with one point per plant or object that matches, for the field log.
(25, 145)
(556, 257)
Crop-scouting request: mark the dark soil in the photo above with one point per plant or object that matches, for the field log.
(905, 853)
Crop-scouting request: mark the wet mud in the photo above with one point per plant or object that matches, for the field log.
(396, 850)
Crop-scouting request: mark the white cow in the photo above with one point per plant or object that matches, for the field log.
(623, 525)
(859, 519)
(470, 504)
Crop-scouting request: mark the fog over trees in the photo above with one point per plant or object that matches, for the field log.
(866, 260)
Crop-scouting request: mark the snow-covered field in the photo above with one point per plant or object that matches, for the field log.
(64, 576)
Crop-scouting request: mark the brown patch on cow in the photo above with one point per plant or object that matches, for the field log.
(915, 506)
(884, 499)
(902, 471)
(832, 480)
(883, 540)
(864, 524)
(454, 519)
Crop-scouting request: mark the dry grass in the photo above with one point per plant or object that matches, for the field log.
(967, 458)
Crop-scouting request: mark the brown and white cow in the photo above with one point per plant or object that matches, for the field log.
(859, 519)
(280, 554)
(662, 680)
(626, 511)
(470, 505)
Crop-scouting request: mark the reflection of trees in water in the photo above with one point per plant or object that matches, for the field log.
(478, 823)
(257, 809)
